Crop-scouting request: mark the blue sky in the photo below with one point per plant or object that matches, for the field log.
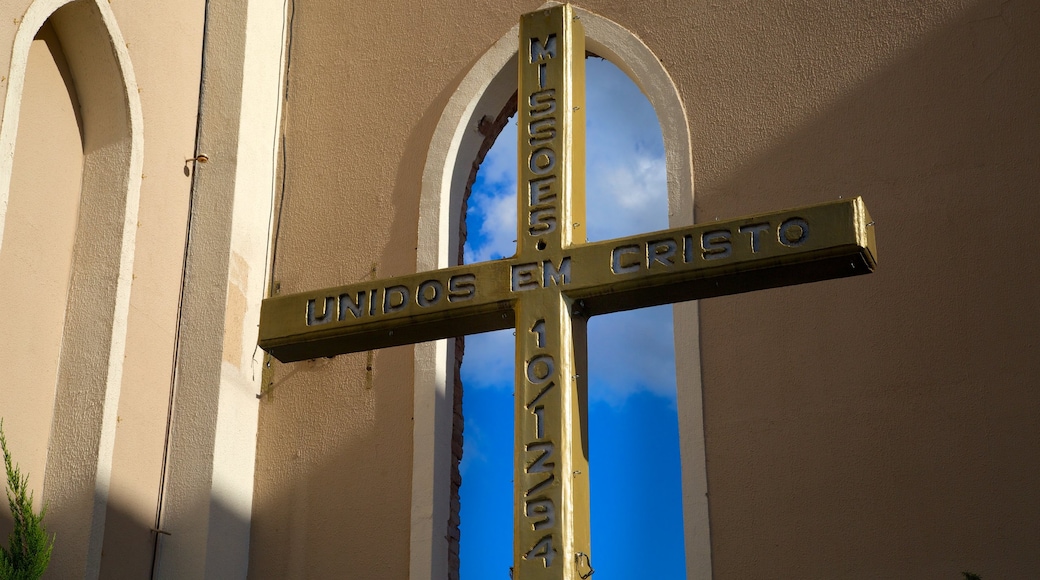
(633, 429)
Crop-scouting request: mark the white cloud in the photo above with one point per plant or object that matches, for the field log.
(489, 360)
(496, 236)
(626, 199)
(499, 166)
(630, 352)
(475, 453)
(493, 202)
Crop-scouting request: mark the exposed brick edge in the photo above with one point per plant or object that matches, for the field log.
(490, 129)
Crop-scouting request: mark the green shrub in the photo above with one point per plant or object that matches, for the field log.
(29, 548)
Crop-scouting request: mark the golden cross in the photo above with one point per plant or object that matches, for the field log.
(554, 283)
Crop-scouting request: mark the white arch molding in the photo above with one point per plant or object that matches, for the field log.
(483, 92)
(82, 436)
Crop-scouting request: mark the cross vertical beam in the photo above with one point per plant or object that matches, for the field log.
(551, 482)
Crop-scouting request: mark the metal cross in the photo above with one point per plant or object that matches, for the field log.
(554, 283)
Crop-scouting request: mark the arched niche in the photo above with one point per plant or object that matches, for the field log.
(89, 372)
(36, 256)
(455, 144)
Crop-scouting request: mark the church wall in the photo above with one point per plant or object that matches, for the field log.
(365, 91)
(207, 501)
(165, 43)
(876, 426)
(113, 509)
(884, 426)
(43, 204)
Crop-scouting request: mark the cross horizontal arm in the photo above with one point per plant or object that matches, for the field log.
(796, 246)
(829, 240)
(389, 312)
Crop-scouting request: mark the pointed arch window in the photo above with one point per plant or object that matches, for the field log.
(455, 144)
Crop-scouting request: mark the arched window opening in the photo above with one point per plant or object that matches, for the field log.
(453, 149)
(633, 427)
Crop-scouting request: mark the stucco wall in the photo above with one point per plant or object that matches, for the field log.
(365, 91)
(43, 204)
(136, 68)
(856, 428)
(165, 44)
(873, 427)
(881, 427)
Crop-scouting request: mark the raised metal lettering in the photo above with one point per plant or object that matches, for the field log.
(544, 550)
(542, 161)
(661, 252)
(327, 313)
(541, 464)
(541, 508)
(429, 293)
(539, 332)
(523, 276)
(542, 221)
(541, 394)
(540, 51)
(619, 264)
(541, 486)
(391, 305)
(541, 190)
(355, 307)
(754, 230)
(541, 131)
(540, 369)
(716, 245)
(539, 421)
(793, 232)
(543, 103)
(461, 287)
(558, 276)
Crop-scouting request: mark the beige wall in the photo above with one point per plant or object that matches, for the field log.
(880, 427)
(148, 467)
(873, 427)
(135, 69)
(36, 256)
(365, 90)
(165, 44)
(857, 428)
